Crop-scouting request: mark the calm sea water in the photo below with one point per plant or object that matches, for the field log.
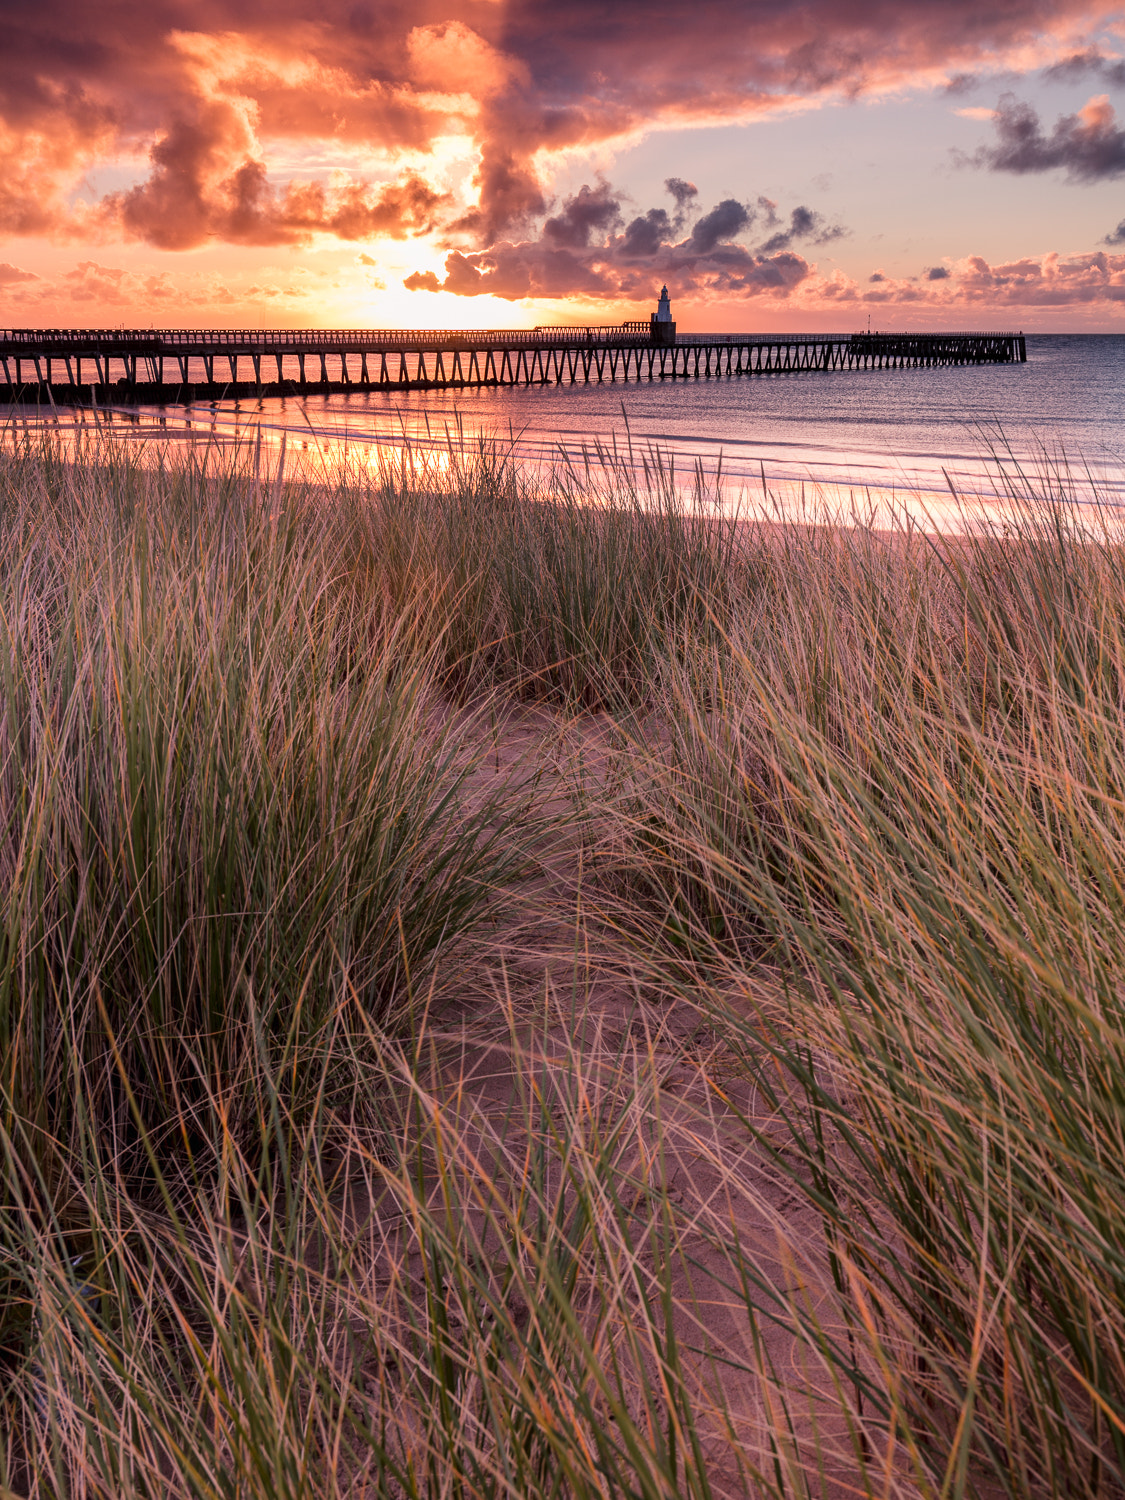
(897, 431)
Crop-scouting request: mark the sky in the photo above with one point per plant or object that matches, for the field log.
(783, 165)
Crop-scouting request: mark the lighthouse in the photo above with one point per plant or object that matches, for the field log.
(663, 329)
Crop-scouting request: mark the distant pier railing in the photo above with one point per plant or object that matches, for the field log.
(70, 365)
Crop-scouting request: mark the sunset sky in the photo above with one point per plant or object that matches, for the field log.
(781, 164)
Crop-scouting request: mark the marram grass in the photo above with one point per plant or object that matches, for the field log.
(798, 1171)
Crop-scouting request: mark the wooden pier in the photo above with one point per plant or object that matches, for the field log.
(176, 365)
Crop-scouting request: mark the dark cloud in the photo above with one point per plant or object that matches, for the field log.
(590, 210)
(510, 195)
(938, 273)
(645, 234)
(514, 271)
(1095, 281)
(804, 224)
(1088, 145)
(530, 269)
(1080, 65)
(1113, 73)
(961, 83)
(217, 93)
(725, 220)
(1075, 68)
(743, 271)
(578, 253)
(685, 194)
(767, 209)
(171, 209)
(1116, 236)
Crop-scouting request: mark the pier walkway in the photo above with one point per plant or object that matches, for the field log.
(174, 365)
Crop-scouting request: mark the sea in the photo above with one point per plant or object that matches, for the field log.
(936, 441)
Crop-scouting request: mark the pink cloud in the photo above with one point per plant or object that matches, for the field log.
(1092, 280)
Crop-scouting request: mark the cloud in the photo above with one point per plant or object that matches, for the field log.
(1116, 236)
(804, 224)
(217, 106)
(1079, 65)
(596, 71)
(1095, 281)
(190, 197)
(590, 210)
(725, 220)
(1010, 290)
(645, 234)
(515, 271)
(1088, 145)
(750, 273)
(112, 286)
(91, 288)
(509, 194)
(10, 275)
(422, 281)
(685, 193)
(586, 250)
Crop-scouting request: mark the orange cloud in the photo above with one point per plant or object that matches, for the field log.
(210, 106)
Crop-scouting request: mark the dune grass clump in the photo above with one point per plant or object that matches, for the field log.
(230, 817)
(565, 590)
(548, 988)
(907, 813)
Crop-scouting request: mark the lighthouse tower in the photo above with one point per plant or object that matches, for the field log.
(663, 329)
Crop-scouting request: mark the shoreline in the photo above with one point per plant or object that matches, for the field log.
(351, 459)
